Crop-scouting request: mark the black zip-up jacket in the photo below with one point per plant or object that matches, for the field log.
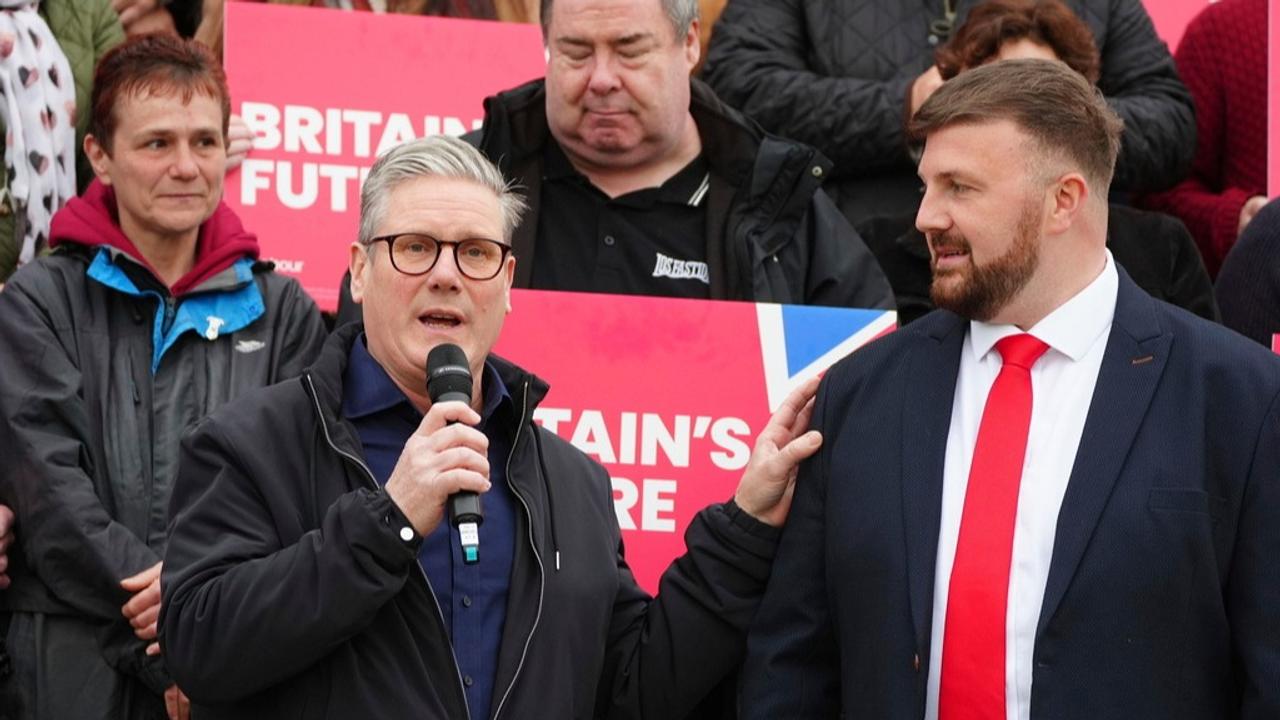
(289, 593)
(89, 428)
(837, 74)
(772, 234)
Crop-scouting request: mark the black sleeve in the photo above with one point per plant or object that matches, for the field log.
(1248, 288)
(243, 611)
(666, 655)
(1189, 283)
(1142, 85)
(758, 63)
(843, 272)
(186, 15)
(792, 657)
(301, 332)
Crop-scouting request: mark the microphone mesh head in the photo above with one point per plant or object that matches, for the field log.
(448, 375)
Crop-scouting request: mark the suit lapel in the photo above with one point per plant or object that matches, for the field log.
(1135, 358)
(926, 422)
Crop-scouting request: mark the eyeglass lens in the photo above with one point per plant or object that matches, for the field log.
(476, 258)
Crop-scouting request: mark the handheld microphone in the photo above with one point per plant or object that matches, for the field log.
(449, 379)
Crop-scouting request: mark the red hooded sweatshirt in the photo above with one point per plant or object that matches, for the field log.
(92, 219)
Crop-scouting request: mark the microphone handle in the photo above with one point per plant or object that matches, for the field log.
(464, 506)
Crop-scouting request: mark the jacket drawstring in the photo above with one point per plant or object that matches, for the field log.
(546, 483)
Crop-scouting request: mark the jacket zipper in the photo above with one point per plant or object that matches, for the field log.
(373, 484)
(542, 578)
(170, 306)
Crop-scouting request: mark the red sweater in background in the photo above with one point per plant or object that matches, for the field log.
(1223, 60)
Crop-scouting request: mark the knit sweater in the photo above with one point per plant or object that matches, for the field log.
(1248, 290)
(1223, 61)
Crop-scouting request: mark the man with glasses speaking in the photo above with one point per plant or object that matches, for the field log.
(311, 570)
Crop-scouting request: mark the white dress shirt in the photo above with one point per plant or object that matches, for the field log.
(1062, 384)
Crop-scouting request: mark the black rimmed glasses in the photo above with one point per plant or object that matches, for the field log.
(416, 253)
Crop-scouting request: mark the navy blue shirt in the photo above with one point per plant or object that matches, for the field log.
(473, 598)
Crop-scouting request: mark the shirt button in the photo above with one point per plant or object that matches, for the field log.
(466, 680)
(608, 240)
(466, 601)
(406, 534)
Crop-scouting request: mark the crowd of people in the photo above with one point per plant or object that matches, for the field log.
(1050, 493)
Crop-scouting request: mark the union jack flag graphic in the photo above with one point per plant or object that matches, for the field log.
(800, 341)
(669, 394)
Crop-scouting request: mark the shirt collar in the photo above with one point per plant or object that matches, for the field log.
(555, 164)
(1071, 329)
(495, 393)
(687, 187)
(368, 389)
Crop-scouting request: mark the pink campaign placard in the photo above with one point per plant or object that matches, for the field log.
(670, 394)
(1273, 102)
(325, 91)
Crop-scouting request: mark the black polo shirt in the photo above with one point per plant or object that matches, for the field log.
(647, 242)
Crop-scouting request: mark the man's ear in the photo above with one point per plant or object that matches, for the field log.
(358, 262)
(508, 277)
(693, 44)
(99, 158)
(1070, 195)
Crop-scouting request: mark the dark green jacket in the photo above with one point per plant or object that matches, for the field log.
(86, 30)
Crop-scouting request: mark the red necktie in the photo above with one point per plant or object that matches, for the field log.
(973, 644)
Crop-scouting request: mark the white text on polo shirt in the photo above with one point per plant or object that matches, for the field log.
(681, 269)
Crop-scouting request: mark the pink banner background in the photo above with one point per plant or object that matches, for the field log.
(1273, 108)
(667, 394)
(614, 358)
(323, 89)
(1171, 17)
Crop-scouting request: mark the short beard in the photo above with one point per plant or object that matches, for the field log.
(988, 288)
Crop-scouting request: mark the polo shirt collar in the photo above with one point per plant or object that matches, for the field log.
(687, 187)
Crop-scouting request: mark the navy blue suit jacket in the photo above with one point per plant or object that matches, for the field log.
(1163, 596)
